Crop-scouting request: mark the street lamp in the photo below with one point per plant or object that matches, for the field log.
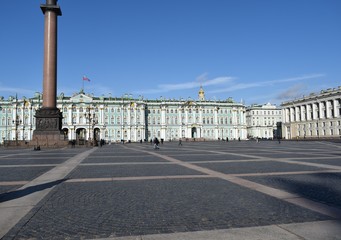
(125, 96)
(92, 121)
(17, 122)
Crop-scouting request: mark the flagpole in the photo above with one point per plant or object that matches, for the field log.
(82, 85)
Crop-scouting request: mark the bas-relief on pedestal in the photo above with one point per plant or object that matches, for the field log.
(48, 128)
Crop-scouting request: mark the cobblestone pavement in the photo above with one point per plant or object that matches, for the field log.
(132, 191)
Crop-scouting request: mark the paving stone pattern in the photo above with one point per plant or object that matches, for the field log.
(321, 187)
(77, 210)
(257, 167)
(130, 171)
(21, 174)
(132, 189)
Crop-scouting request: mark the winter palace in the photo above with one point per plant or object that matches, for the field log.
(86, 117)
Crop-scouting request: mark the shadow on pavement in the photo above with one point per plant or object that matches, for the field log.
(4, 197)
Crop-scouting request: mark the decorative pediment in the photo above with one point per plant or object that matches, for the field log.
(81, 98)
(190, 103)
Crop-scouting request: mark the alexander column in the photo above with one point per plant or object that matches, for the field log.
(49, 118)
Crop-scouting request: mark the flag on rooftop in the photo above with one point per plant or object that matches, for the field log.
(85, 78)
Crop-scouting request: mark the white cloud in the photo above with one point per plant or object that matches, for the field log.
(161, 88)
(292, 92)
(19, 91)
(240, 86)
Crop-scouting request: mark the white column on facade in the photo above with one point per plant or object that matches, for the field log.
(200, 116)
(307, 107)
(242, 117)
(136, 125)
(69, 116)
(122, 122)
(143, 123)
(163, 122)
(302, 111)
(297, 114)
(328, 109)
(102, 116)
(180, 123)
(292, 115)
(163, 115)
(336, 108)
(129, 122)
(288, 115)
(320, 108)
(315, 107)
(285, 115)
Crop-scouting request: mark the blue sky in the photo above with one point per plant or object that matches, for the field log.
(257, 51)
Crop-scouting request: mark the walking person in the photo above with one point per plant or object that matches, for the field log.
(156, 143)
(180, 142)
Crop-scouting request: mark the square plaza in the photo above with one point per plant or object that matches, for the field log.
(201, 190)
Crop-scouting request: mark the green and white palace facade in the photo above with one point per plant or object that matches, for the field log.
(86, 117)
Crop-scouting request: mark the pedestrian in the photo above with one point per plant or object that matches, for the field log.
(156, 143)
(180, 142)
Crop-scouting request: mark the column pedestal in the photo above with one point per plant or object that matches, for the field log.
(48, 125)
